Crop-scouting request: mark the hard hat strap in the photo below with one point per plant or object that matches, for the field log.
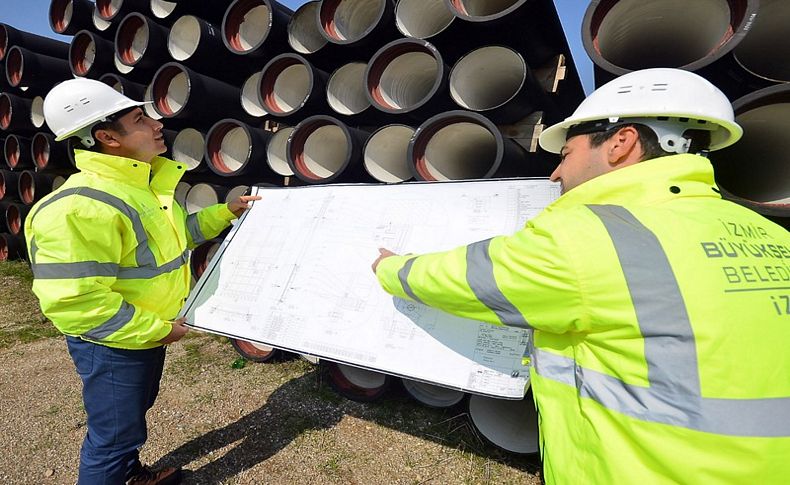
(668, 130)
(86, 134)
(670, 137)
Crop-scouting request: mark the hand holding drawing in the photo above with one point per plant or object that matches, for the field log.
(383, 253)
(178, 331)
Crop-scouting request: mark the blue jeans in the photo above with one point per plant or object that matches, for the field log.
(118, 387)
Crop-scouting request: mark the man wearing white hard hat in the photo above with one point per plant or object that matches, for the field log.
(660, 312)
(109, 254)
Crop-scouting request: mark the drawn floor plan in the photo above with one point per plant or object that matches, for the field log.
(295, 274)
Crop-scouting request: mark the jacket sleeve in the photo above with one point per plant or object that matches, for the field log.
(207, 224)
(523, 280)
(74, 268)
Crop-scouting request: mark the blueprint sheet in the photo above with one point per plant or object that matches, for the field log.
(295, 274)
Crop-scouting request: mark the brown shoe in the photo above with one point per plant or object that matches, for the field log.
(147, 476)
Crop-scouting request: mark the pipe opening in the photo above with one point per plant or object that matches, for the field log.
(510, 425)
(255, 351)
(100, 23)
(229, 147)
(303, 34)
(387, 154)
(285, 86)
(170, 90)
(149, 107)
(37, 112)
(27, 187)
(404, 77)
(3, 185)
(162, 8)
(634, 34)
(133, 35)
(277, 152)
(201, 257)
(184, 38)
(422, 18)
(113, 81)
(212, 250)
(60, 14)
(57, 182)
(6, 111)
(82, 53)
(13, 219)
(348, 21)
(320, 150)
(247, 25)
(765, 141)
(362, 378)
(188, 148)
(3, 42)
(108, 9)
(484, 8)
(199, 197)
(431, 395)
(455, 148)
(249, 96)
(760, 51)
(236, 192)
(12, 152)
(345, 90)
(120, 66)
(487, 78)
(180, 193)
(14, 66)
(41, 150)
(4, 252)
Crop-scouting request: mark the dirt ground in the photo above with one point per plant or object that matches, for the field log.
(263, 423)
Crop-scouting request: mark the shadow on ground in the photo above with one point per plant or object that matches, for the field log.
(307, 403)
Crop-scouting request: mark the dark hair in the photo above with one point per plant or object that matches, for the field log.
(112, 123)
(700, 140)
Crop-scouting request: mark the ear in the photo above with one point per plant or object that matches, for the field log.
(106, 137)
(624, 146)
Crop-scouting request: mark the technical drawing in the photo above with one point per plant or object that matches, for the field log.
(296, 274)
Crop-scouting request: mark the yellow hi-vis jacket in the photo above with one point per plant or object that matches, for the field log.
(108, 250)
(661, 317)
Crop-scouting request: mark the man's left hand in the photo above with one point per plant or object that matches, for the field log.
(239, 205)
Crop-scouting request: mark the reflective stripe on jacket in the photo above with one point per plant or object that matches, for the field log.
(661, 317)
(108, 250)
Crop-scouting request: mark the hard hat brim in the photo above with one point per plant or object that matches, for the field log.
(553, 138)
(93, 121)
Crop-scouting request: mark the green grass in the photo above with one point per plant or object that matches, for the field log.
(200, 351)
(16, 269)
(332, 465)
(28, 332)
(19, 308)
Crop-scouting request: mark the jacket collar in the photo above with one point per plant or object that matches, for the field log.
(649, 182)
(160, 172)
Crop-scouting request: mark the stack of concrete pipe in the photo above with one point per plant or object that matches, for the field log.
(33, 164)
(739, 45)
(250, 92)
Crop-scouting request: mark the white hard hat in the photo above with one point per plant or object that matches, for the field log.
(72, 108)
(669, 101)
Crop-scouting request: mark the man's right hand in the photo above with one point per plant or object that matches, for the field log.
(383, 253)
(178, 331)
